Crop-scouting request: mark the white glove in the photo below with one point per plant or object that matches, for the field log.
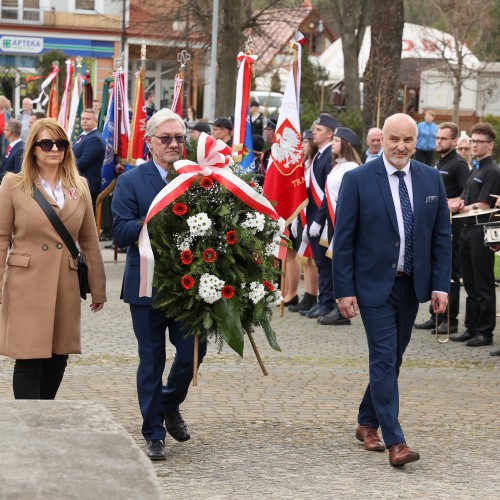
(315, 230)
(295, 226)
(305, 239)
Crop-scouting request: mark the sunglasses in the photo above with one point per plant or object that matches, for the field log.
(47, 144)
(463, 149)
(166, 139)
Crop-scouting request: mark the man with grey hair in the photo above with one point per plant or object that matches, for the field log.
(133, 195)
(374, 143)
(24, 116)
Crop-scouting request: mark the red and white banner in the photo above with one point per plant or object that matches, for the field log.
(43, 97)
(285, 182)
(176, 106)
(241, 104)
(63, 112)
(139, 122)
(122, 124)
(213, 156)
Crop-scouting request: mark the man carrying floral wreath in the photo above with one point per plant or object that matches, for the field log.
(133, 195)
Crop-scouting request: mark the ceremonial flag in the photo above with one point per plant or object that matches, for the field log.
(285, 182)
(105, 102)
(77, 125)
(108, 134)
(121, 120)
(87, 91)
(63, 112)
(52, 107)
(75, 106)
(43, 97)
(241, 103)
(177, 96)
(248, 158)
(139, 121)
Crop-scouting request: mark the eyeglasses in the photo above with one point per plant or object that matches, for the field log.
(444, 139)
(48, 144)
(166, 139)
(478, 142)
(463, 149)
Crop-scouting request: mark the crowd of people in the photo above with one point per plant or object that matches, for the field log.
(375, 238)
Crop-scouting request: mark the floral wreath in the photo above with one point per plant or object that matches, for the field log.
(215, 239)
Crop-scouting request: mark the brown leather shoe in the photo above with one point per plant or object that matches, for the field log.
(369, 436)
(400, 454)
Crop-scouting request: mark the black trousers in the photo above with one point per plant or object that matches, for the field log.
(38, 378)
(456, 273)
(479, 281)
(425, 156)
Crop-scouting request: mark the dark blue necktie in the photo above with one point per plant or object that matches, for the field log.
(407, 222)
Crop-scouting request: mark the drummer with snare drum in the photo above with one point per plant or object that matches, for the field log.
(477, 259)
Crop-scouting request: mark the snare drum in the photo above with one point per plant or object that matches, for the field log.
(491, 233)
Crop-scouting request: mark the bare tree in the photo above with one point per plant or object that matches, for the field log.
(381, 77)
(468, 22)
(349, 19)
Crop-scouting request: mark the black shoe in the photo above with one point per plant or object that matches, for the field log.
(105, 237)
(443, 329)
(155, 449)
(479, 340)
(495, 353)
(110, 246)
(320, 311)
(462, 337)
(176, 426)
(334, 318)
(310, 310)
(122, 250)
(292, 302)
(426, 325)
(306, 303)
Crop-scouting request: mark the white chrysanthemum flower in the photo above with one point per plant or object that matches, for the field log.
(199, 224)
(257, 292)
(270, 249)
(210, 288)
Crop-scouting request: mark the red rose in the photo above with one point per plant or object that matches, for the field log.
(187, 282)
(253, 184)
(186, 257)
(227, 292)
(231, 237)
(268, 285)
(257, 258)
(206, 183)
(209, 255)
(179, 209)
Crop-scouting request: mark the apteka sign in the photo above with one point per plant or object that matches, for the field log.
(23, 44)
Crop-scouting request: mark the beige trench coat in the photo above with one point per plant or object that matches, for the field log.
(40, 298)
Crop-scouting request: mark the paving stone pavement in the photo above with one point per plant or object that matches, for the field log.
(290, 435)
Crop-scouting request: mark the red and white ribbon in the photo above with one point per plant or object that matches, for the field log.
(213, 156)
(43, 97)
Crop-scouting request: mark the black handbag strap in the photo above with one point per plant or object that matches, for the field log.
(56, 222)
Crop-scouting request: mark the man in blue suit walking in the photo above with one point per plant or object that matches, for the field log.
(15, 150)
(392, 249)
(134, 192)
(89, 150)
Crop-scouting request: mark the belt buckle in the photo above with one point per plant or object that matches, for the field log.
(401, 274)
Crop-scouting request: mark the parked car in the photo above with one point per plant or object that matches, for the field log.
(269, 102)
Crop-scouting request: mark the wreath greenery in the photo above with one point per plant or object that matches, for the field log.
(214, 266)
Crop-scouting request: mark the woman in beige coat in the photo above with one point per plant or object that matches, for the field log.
(40, 297)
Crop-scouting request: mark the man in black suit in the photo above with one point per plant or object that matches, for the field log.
(321, 167)
(89, 150)
(15, 149)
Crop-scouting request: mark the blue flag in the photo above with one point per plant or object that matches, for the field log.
(108, 134)
(248, 162)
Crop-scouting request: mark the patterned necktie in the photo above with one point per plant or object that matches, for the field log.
(407, 222)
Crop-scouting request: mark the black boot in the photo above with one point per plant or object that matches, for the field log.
(306, 303)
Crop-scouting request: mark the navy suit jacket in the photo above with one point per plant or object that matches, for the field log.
(132, 197)
(13, 162)
(321, 169)
(89, 151)
(366, 241)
